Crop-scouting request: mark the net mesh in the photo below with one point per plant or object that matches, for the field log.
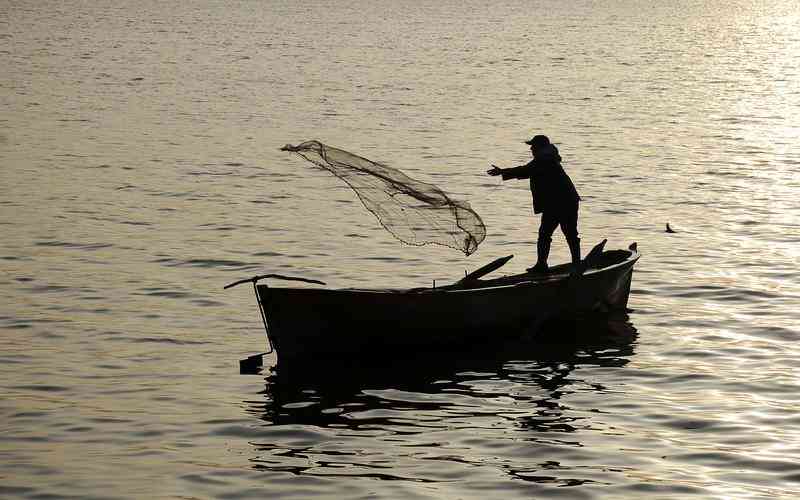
(414, 212)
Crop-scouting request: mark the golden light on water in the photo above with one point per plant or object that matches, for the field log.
(140, 171)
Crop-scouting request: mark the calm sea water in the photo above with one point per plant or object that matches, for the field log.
(140, 172)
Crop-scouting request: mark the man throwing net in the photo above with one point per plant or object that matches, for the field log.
(554, 196)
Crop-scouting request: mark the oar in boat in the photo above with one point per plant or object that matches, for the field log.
(589, 261)
(595, 253)
(483, 271)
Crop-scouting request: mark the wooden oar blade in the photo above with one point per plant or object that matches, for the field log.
(488, 268)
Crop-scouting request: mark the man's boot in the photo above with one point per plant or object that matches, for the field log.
(578, 267)
(542, 253)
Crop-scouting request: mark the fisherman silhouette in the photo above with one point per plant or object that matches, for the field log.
(554, 196)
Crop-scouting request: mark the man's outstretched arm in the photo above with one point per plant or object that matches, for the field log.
(521, 172)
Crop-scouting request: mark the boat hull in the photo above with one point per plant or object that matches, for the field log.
(310, 326)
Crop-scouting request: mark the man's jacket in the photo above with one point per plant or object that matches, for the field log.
(551, 187)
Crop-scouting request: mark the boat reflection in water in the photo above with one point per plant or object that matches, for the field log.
(452, 410)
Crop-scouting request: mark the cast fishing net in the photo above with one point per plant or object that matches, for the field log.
(414, 212)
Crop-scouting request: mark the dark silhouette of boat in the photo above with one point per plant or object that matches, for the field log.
(313, 326)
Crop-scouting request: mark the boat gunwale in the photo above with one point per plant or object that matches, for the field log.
(556, 278)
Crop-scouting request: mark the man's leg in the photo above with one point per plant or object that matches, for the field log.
(569, 226)
(547, 225)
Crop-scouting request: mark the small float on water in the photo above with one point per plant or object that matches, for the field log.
(308, 326)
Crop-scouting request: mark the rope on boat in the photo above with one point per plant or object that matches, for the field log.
(255, 280)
